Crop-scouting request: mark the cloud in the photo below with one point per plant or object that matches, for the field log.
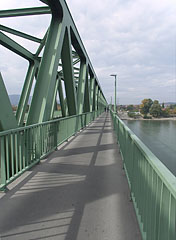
(134, 38)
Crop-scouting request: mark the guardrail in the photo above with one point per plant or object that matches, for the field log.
(24, 147)
(152, 185)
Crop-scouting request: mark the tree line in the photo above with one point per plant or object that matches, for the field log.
(155, 109)
(149, 108)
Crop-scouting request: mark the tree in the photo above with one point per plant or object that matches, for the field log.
(172, 106)
(130, 107)
(145, 106)
(155, 109)
(165, 112)
(174, 110)
(162, 105)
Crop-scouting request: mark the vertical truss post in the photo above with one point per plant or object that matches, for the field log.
(26, 92)
(57, 43)
(61, 97)
(66, 106)
(92, 86)
(42, 100)
(7, 118)
(86, 95)
(98, 99)
(81, 86)
(67, 65)
(95, 98)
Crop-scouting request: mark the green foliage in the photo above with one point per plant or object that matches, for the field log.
(147, 117)
(172, 111)
(172, 106)
(145, 106)
(133, 115)
(155, 109)
(130, 108)
(165, 112)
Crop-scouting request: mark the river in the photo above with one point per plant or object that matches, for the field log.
(159, 137)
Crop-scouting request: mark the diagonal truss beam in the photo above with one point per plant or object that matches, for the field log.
(15, 47)
(7, 118)
(24, 12)
(64, 58)
(20, 34)
(67, 64)
(61, 97)
(41, 104)
(21, 110)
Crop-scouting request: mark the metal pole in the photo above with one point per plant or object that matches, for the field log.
(115, 107)
(115, 110)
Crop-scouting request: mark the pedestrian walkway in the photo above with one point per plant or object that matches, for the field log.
(79, 192)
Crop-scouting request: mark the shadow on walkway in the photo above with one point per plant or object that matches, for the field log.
(79, 192)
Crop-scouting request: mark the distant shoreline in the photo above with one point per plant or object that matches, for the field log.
(153, 119)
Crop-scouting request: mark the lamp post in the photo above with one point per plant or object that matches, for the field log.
(115, 107)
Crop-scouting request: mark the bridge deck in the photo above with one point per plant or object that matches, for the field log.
(79, 192)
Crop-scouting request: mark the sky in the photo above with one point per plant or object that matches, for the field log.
(135, 39)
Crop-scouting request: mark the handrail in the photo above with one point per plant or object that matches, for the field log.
(22, 148)
(152, 185)
(37, 124)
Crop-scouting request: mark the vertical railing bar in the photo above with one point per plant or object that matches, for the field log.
(7, 156)
(2, 164)
(16, 152)
(12, 154)
(20, 150)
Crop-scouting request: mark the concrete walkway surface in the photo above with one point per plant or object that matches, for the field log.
(79, 192)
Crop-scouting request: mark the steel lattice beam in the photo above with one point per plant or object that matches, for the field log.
(63, 49)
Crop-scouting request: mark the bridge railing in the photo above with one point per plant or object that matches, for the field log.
(23, 147)
(152, 185)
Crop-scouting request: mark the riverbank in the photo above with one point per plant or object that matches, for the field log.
(155, 119)
(124, 116)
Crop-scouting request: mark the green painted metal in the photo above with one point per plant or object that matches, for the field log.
(54, 105)
(15, 47)
(22, 148)
(7, 119)
(153, 186)
(92, 87)
(22, 106)
(67, 64)
(86, 95)
(61, 97)
(40, 109)
(20, 34)
(42, 44)
(24, 12)
(95, 105)
(81, 86)
(62, 48)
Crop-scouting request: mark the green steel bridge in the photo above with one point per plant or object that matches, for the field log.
(86, 186)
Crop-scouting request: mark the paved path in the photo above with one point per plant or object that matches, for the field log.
(80, 192)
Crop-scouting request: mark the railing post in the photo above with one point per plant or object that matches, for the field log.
(2, 166)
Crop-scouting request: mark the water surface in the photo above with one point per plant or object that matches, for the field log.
(159, 137)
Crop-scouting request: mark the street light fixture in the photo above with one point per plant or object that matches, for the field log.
(115, 107)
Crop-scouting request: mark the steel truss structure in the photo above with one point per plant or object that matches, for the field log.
(64, 63)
